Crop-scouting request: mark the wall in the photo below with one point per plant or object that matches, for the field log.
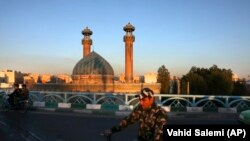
(117, 88)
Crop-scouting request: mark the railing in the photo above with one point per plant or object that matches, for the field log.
(181, 101)
(171, 100)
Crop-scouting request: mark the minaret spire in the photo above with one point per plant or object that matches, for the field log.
(129, 39)
(86, 41)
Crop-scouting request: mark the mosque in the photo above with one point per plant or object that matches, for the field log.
(92, 73)
(92, 69)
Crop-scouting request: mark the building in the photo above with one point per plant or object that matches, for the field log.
(11, 77)
(92, 68)
(121, 78)
(64, 78)
(45, 78)
(150, 78)
(92, 73)
(2, 77)
(136, 79)
(36, 77)
(29, 81)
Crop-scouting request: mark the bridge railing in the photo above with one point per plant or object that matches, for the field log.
(206, 102)
(172, 100)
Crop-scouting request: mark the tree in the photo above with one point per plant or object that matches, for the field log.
(184, 83)
(39, 79)
(220, 81)
(163, 77)
(212, 81)
(197, 84)
(174, 86)
(240, 88)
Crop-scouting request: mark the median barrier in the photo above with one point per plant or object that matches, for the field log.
(166, 108)
(83, 111)
(122, 113)
(195, 109)
(64, 105)
(78, 106)
(123, 109)
(110, 107)
(227, 110)
(210, 109)
(51, 105)
(126, 107)
(93, 106)
(38, 104)
(178, 109)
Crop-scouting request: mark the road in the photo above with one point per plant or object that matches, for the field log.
(61, 126)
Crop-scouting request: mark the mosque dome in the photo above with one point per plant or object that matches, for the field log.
(93, 64)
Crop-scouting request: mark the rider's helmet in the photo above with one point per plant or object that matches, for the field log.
(145, 92)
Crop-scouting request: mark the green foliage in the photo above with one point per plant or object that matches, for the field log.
(240, 88)
(220, 81)
(183, 85)
(212, 81)
(175, 86)
(198, 84)
(163, 77)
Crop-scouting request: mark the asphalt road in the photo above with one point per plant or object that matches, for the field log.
(61, 126)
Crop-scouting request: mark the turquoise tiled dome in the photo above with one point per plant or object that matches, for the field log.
(93, 64)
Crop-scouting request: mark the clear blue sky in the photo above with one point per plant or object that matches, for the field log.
(44, 36)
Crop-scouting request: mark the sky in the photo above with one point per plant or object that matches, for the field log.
(44, 36)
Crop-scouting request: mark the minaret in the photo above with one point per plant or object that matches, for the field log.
(86, 41)
(129, 38)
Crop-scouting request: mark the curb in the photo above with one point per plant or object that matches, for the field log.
(112, 107)
(85, 111)
(127, 112)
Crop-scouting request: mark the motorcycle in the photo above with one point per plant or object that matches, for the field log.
(18, 104)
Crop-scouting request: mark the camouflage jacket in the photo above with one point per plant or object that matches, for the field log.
(151, 122)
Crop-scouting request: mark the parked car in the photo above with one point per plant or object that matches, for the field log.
(244, 117)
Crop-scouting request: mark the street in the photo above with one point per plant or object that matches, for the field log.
(64, 126)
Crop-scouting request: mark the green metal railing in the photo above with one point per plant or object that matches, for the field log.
(113, 100)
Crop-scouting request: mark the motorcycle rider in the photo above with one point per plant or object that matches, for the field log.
(14, 96)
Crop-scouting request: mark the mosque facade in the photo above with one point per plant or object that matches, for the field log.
(92, 73)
